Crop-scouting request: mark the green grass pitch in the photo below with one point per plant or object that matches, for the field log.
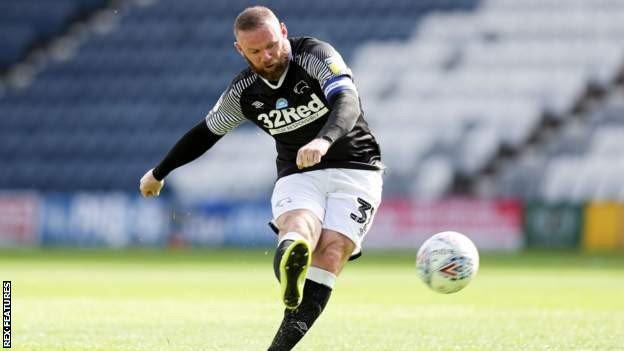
(228, 300)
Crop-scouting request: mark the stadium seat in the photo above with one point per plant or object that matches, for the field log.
(459, 80)
(135, 89)
(503, 71)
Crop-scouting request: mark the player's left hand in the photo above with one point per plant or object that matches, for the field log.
(312, 152)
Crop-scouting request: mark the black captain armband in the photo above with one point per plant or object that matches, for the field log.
(345, 113)
(192, 145)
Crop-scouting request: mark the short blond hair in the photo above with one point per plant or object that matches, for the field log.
(253, 17)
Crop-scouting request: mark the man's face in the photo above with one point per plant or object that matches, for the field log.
(266, 49)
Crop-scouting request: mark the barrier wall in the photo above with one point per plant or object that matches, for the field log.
(557, 226)
(18, 219)
(604, 226)
(120, 220)
(226, 223)
(85, 220)
(491, 224)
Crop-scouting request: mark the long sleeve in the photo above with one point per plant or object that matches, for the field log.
(345, 113)
(192, 145)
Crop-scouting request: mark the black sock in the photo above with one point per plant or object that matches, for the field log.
(297, 322)
(279, 252)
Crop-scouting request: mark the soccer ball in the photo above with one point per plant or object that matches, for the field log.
(447, 262)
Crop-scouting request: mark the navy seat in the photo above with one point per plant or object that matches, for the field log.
(25, 23)
(97, 121)
(15, 39)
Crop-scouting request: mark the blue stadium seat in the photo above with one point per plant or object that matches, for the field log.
(15, 39)
(25, 23)
(97, 121)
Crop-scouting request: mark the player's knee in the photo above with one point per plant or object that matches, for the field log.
(333, 255)
(301, 222)
(329, 260)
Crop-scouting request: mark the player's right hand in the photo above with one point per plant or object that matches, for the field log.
(312, 152)
(149, 185)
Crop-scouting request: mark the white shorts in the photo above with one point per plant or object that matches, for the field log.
(344, 200)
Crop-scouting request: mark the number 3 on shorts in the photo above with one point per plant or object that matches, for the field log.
(366, 212)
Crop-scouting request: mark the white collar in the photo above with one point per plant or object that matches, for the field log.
(279, 81)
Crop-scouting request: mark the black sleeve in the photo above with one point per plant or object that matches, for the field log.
(192, 145)
(345, 113)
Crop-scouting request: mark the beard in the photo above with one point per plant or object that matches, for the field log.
(276, 71)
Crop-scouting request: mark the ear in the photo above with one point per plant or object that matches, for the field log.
(239, 48)
(283, 30)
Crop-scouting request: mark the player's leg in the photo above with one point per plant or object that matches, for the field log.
(349, 209)
(299, 231)
(331, 254)
(298, 204)
(348, 216)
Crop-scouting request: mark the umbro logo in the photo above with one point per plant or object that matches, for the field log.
(302, 326)
(257, 104)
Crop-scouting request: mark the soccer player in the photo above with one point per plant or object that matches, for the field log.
(300, 92)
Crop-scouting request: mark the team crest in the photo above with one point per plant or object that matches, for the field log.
(281, 103)
(301, 87)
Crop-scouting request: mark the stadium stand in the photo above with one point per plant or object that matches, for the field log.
(581, 161)
(478, 82)
(446, 86)
(143, 73)
(26, 23)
